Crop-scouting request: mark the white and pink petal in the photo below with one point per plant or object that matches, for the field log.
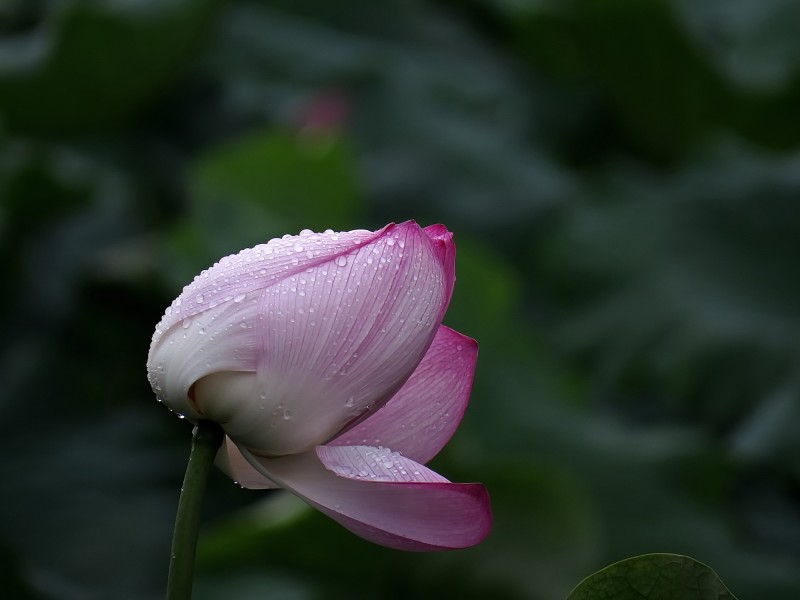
(403, 505)
(209, 327)
(230, 461)
(340, 342)
(258, 267)
(423, 415)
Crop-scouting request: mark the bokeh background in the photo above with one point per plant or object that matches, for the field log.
(622, 177)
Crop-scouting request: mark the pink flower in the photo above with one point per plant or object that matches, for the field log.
(323, 358)
(326, 112)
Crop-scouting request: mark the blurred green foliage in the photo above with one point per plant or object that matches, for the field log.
(623, 181)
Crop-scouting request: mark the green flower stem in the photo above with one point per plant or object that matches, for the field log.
(206, 440)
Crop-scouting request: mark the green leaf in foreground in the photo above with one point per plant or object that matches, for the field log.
(653, 577)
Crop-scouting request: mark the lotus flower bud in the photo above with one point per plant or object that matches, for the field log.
(297, 345)
(287, 343)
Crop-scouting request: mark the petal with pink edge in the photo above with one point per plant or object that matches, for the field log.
(354, 486)
(442, 241)
(218, 306)
(341, 340)
(420, 419)
(256, 268)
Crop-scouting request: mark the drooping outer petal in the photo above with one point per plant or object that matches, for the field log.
(423, 415)
(309, 341)
(384, 497)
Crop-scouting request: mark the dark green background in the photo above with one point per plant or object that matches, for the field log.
(622, 177)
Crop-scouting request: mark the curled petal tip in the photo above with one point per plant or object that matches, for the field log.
(438, 231)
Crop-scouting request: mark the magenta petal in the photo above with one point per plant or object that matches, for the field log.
(417, 515)
(445, 249)
(420, 419)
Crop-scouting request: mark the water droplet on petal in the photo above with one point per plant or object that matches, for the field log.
(287, 415)
(341, 260)
(239, 297)
(350, 402)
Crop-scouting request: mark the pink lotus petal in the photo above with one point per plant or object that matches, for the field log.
(340, 340)
(425, 514)
(255, 268)
(368, 463)
(209, 327)
(420, 419)
(443, 244)
(230, 461)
